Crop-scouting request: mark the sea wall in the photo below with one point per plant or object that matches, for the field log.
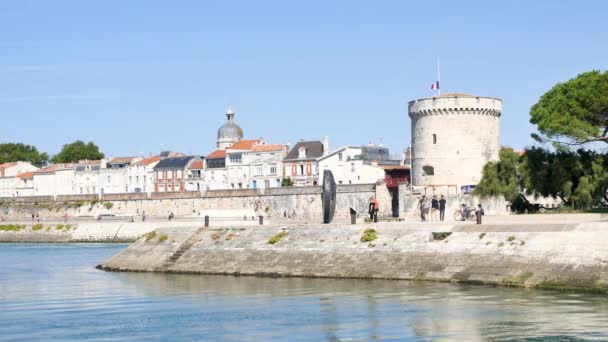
(548, 255)
(298, 203)
(113, 231)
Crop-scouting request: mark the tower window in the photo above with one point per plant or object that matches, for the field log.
(434, 138)
(428, 171)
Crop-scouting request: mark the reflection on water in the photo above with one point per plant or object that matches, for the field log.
(52, 292)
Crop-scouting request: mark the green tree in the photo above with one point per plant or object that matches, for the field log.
(501, 177)
(286, 181)
(12, 152)
(78, 150)
(575, 112)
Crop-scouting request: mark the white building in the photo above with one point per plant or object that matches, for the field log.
(266, 165)
(195, 175)
(141, 175)
(170, 174)
(55, 179)
(87, 178)
(238, 171)
(114, 175)
(350, 165)
(453, 137)
(214, 174)
(8, 174)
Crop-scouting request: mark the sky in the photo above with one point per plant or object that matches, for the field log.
(137, 77)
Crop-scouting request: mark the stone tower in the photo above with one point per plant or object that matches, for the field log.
(230, 133)
(453, 137)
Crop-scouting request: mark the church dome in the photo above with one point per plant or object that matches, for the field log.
(230, 132)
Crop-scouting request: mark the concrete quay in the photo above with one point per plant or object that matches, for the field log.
(553, 251)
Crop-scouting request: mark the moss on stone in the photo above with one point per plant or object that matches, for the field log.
(151, 235)
(369, 235)
(277, 238)
(37, 226)
(163, 237)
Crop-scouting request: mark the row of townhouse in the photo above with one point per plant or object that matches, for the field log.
(236, 163)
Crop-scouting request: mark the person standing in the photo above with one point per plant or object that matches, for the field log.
(427, 209)
(478, 213)
(374, 207)
(434, 208)
(421, 207)
(442, 203)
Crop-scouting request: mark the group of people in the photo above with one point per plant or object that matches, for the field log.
(429, 208)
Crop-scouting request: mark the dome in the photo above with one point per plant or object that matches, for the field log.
(230, 132)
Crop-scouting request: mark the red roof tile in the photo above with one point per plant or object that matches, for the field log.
(26, 175)
(244, 145)
(148, 161)
(197, 164)
(267, 148)
(217, 154)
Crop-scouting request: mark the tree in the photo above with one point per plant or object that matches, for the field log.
(575, 112)
(78, 150)
(286, 181)
(12, 152)
(501, 177)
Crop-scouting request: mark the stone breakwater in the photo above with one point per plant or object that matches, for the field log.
(86, 231)
(546, 255)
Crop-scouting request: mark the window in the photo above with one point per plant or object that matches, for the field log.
(267, 184)
(434, 139)
(302, 170)
(352, 167)
(428, 171)
(259, 171)
(273, 170)
(137, 179)
(108, 179)
(236, 158)
(340, 156)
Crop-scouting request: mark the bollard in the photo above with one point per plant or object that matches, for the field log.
(261, 220)
(353, 216)
(206, 221)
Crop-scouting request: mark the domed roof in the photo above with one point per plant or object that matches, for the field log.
(230, 130)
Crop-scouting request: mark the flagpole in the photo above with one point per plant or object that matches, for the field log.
(438, 77)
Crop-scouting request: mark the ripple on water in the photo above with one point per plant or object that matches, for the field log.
(52, 292)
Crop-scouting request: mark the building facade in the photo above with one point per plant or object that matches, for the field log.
(170, 174)
(266, 165)
(301, 164)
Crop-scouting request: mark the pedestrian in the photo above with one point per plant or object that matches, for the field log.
(427, 209)
(37, 217)
(33, 216)
(421, 207)
(170, 215)
(479, 213)
(376, 209)
(434, 208)
(143, 216)
(65, 217)
(465, 212)
(442, 203)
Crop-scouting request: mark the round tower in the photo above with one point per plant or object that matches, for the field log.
(453, 136)
(230, 133)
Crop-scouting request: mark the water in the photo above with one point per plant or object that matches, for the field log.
(52, 292)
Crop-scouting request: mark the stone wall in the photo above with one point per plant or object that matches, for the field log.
(544, 255)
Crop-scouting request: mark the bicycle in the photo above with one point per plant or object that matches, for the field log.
(458, 215)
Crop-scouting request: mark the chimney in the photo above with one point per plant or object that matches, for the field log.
(325, 145)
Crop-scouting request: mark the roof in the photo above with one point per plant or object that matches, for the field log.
(267, 148)
(244, 144)
(174, 163)
(148, 161)
(121, 160)
(217, 154)
(314, 150)
(54, 167)
(26, 175)
(7, 165)
(89, 162)
(197, 164)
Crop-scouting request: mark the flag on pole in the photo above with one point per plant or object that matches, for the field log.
(435, 86)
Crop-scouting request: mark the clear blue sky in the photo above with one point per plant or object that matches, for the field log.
(136, 75)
